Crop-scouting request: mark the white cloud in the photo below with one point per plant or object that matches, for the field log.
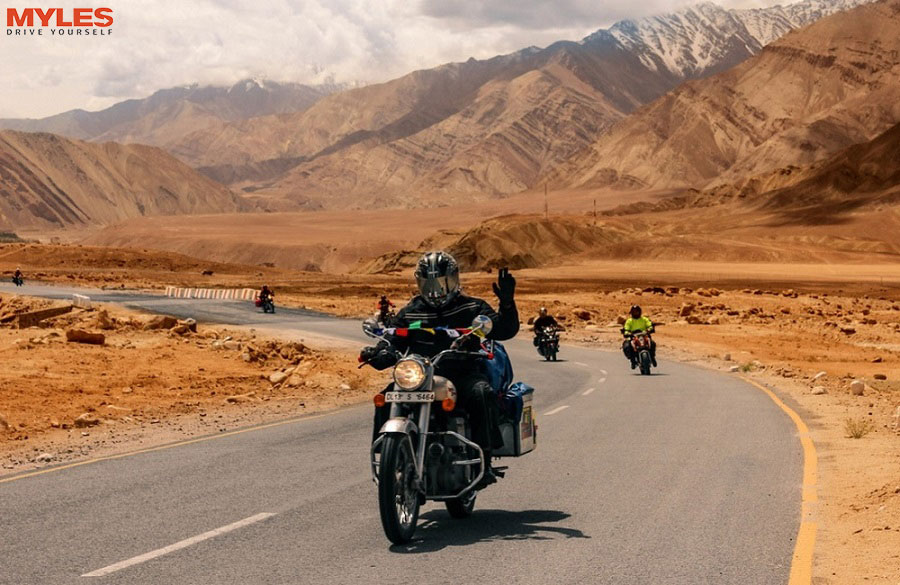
(163, 43)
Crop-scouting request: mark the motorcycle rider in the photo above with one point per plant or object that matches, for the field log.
(543, 320)
(266, 294)
(635, 323)
(17, 277)
(384, 307)
(440, 303)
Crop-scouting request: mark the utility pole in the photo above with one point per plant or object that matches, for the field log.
(546, 207)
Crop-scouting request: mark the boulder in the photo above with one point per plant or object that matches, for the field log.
(734, 369)
(819, 390)
(819, 376)
(191, 324)
(44, 458)
(848, 330)
(160, 322)
(231, 344)
(695, 320)
(880, 377)
(294, 381)
(857, 387)
(278, 377)
(582, 314)
(86, 420)
(620, 320)
(82, 336)
(103, 321)
(727, 357)
(686, 309)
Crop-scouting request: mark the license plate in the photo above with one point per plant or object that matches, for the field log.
(409, 396)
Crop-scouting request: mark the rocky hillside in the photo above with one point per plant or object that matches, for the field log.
(482, 127)
(50, 181)
(806, 96)
(167, 116)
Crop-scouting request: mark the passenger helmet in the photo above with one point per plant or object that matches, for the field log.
(437, 276)
(636, 311)
(543, 311)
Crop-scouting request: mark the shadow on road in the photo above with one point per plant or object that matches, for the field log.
(437, 530)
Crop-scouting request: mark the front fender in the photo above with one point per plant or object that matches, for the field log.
(399, 425)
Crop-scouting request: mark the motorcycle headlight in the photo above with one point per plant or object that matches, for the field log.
(409, 374)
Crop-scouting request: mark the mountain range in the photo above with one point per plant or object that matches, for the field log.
(452, 133)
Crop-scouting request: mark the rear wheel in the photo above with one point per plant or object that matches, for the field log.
(398, 496)
(645, 362)
(462, 507)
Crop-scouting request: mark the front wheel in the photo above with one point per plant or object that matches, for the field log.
(398, 495)
(645, 362)
(461, 507)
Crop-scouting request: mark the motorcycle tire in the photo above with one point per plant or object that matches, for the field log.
(645, 362)
(463, 507)
(398, 497)
(554, 355)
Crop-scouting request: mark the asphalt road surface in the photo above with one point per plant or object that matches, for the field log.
(685, 477)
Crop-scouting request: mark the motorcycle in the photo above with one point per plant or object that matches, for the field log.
(385, 318)
(18, 280)
(640, 344)
(268, 305)
(548, 343)
(425, 450)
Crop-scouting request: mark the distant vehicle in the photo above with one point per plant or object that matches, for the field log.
(548, 343)
(18, 280)
(640, 343)
(267, 304)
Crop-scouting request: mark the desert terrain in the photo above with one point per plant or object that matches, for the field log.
(826, 336)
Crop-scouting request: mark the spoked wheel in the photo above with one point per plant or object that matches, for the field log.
(645, 363)
(398, 497)
(462, 507)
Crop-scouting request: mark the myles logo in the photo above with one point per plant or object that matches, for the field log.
(33, 21)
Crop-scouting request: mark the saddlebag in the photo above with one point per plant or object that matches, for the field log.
(517, 423)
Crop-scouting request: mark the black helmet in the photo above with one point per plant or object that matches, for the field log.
(437, 275)
(636, 311)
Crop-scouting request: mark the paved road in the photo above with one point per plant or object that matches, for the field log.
(685, 477)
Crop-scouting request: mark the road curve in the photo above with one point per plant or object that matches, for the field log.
(685, 477)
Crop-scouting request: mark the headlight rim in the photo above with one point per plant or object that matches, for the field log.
(423, 374)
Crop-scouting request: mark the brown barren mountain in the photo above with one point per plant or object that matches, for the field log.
(47, 181)
(813, 92)
(481, 128)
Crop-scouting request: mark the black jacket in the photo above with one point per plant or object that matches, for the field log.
(545, 321)
(458, 313)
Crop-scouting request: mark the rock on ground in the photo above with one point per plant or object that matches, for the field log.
(161, 322)
(82, 336)
(857, 387)
(819, 390)
(86, 420)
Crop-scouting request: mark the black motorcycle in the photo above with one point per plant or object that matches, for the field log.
(18, 280)
(548, 343)
(268, 306)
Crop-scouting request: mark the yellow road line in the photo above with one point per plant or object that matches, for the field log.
(802, 562)
(168, 446)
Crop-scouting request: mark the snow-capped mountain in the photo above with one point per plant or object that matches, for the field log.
(706, 38)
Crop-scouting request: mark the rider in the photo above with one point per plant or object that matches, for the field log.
(384, 306)
(543, 320)
(637, 322)
(266, 294)
(441, 304)
(17, 277)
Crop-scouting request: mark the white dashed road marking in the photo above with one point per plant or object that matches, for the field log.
(588, 391)
(557, 409)
(580, 364)
(177, 546)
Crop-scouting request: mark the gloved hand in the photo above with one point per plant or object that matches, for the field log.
(367, 354)
(505, 287)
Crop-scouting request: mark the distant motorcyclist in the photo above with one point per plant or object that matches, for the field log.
(18, 279)
(441, 304)
(635, 323)
(266, 294)
(384, 310)
(544, 320)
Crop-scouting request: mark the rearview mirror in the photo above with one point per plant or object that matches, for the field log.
(369, 326)
(482, 323)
